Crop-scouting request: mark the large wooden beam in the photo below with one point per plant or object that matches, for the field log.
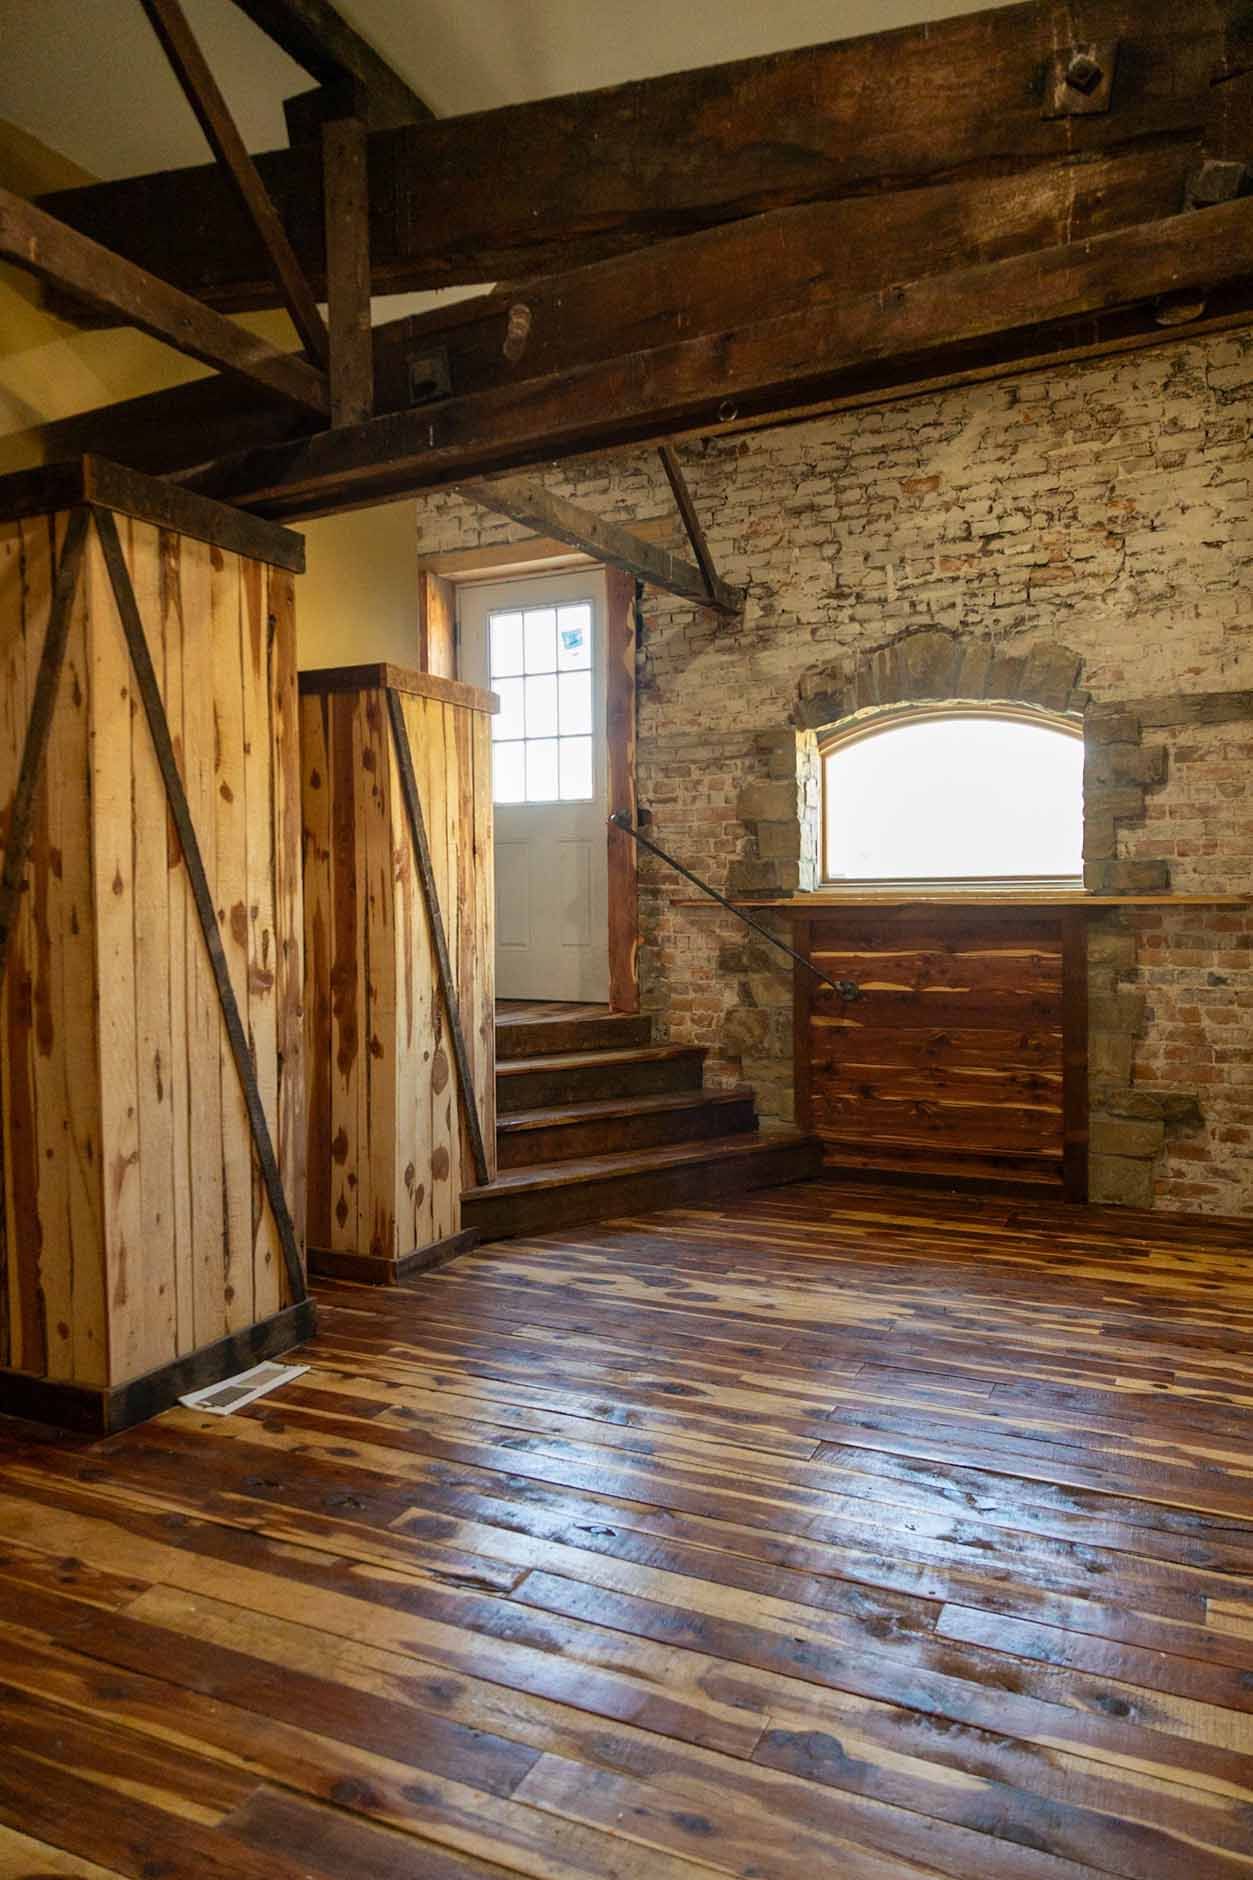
(58, 254)
(702, 283)
(317, 37)
(346, 206)
(532, 188)
(191, 68)
(967, 322)
(529, 503)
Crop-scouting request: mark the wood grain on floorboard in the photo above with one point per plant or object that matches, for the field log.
(835, 1531)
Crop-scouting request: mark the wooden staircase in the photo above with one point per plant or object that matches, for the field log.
(594, 1119)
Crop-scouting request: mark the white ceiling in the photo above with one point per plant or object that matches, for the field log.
(87, 76)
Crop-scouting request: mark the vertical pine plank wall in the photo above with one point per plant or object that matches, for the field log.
(137, 1228)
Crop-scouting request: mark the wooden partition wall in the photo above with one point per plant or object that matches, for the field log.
(966, 1054)
(149, 773)
(390, 1129)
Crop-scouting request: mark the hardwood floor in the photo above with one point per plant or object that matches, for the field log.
(835, 1532)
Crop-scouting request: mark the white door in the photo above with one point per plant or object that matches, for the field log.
(537, 643)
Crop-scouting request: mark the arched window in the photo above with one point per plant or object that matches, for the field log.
(954, 794)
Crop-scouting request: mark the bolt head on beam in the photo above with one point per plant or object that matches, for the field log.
(1079, 80)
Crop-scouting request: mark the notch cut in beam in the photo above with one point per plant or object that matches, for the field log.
(46, 247)
(191, 68)
(316, 36)
(529, 503)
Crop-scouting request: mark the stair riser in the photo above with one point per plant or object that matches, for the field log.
(603, 1135)
(500, 1217)
(550, 1036)
(575, 1083)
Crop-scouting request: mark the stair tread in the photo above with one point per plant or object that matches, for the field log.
(596, 1107)
(539, 1175)
(580, 1060)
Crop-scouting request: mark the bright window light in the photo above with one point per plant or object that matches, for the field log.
(541, 670)
(958, 797)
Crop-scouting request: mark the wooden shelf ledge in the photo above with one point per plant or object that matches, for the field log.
(807, 904)
(373, 678)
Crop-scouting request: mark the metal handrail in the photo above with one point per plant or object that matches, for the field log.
(846, 989)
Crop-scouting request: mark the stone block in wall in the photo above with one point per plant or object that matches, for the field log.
(1111, 949)
(1143, 764)
(745, 1030)
(1004, 678)
(774, 801)
(749, 878)
(1123, 1010)
(927, 665)
(1100, 838)
(1123, 801)
(771, 989)
(1178, 1112)
(1110, 1056)
(1049, 676)
(971, 680)
(779, 841)
(1121, 1179)
(1110, 724)
(1142, 877)
(1120, 1137)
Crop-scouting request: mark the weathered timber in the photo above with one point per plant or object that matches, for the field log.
(46, 247)
(530, 188)
(536, 508)
(775, 366)
(701, 283)
(691, 520)
(346, 201)
(316, 36)
(190, 67)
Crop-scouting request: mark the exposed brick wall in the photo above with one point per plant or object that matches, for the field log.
(1105, 509)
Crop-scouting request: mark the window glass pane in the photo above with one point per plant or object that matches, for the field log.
(955, 797)
(506, 644)
(541, 706)
(576, 769)
(576, 702)
(541, 639)
(574, 636)
(541, 771)
(507, 722)
(508, 773)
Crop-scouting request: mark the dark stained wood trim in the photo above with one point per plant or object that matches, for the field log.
(620, 714)
(42, 245)
(367, 1269)
(191, 68)
(1074, 1054)
(400, 679)
(532, 188)
(318, 37)
(803, 985)
(48, 489)
(529, 503)
(101, 1412)
(776, 365)
(346, 195)
(149, 690)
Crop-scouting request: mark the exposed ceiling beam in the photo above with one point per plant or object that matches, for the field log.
(529, 503)
(532, 188)
(316, 36)
(71, 261)
(691, 520)
(702, 283)
(191, 68)
(764, 368)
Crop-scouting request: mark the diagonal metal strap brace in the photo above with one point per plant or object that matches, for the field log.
(430, 893)
(17, 844)
(176, 796)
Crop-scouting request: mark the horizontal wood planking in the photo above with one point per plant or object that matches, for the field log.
(386, 1157)
(836, 1532)
(124, 1129)
(955, 1047)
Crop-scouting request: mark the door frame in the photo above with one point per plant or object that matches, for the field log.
(439, 577)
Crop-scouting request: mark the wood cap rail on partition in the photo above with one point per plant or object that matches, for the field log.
(49, 488)
(401, 679)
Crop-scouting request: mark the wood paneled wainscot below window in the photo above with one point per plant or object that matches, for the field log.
(965, 1054)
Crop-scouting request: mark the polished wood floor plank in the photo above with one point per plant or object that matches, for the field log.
(825, 1531)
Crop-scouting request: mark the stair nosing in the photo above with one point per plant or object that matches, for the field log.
(596, 1109)
(572, 1060)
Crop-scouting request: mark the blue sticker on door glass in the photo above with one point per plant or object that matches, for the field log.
(572, 639)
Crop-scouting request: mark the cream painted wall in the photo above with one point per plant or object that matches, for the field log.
(358, 600)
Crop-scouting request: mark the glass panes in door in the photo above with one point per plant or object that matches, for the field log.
(541, 671)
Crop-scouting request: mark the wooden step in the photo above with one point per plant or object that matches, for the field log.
(562, 1131)
(572, 1077)
(542, 1037)
(561, 1194)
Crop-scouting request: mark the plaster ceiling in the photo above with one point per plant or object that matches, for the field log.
(87, 76)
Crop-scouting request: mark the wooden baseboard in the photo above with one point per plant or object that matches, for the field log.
(368, 1269)
(89, 1410)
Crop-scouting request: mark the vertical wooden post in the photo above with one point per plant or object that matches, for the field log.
(621, 592)
(804, 987)
(346, 200)
(1075, 1054)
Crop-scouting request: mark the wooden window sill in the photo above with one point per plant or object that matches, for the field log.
(806, 904)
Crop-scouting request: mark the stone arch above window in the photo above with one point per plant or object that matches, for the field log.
(940, 666)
